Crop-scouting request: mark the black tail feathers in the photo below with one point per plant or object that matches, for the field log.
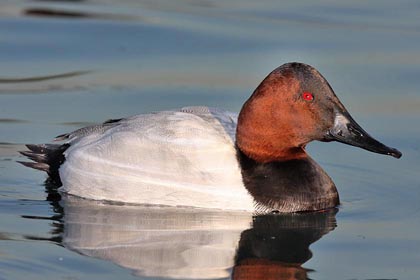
(46, 157)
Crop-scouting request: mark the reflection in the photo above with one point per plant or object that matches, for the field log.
(182, 243)
(276, 246)
(155, 241)
(57, 223)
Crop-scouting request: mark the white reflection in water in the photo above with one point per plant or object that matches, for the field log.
(191, 243)
(164, 242)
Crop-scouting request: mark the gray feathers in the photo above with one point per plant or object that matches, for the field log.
(84, 131)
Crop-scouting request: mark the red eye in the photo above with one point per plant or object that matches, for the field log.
(308, 96)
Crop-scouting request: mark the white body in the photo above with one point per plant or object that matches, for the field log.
(176, 158)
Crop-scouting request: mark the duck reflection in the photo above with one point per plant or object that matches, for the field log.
(276, 246)
(184, 243)
(152, 241)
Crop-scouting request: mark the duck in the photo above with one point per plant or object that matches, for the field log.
(211, 158)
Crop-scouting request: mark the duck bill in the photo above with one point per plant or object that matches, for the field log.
(346, 130)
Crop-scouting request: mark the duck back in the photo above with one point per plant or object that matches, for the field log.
(177, 158)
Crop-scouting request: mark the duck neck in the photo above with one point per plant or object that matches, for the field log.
(266, 133)
(294, 185)
(265, 151)
(263, 141)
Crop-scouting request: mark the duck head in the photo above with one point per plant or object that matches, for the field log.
(293, 106)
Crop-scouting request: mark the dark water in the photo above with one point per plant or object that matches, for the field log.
(66, 64)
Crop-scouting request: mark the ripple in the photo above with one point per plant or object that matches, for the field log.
(70, 14)
(76, 123)
(13, 121)
(43, 78)
(10, 149)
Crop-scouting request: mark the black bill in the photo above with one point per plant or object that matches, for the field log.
(347, 131)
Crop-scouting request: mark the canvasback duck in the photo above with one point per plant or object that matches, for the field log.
(210, 158)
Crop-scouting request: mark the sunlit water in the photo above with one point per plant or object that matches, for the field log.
(67, 64)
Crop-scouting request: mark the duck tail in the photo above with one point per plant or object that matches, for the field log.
(46, 157)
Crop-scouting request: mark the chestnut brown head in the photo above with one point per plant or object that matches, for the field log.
(292, 106)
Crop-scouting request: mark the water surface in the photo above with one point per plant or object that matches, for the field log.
(67, 64)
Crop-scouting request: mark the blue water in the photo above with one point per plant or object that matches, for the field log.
(139, 56)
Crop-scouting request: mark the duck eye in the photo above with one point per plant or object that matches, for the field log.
(308, 96)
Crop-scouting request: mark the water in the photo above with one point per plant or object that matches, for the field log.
(72, 63)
